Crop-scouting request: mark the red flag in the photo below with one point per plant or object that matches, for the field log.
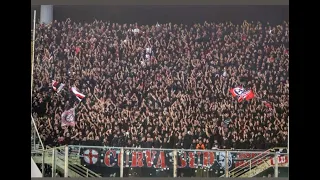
(248, 95)
(54, 85)
(242, 94)
(237, 91)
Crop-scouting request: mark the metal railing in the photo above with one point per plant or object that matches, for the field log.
(250, 164)
(36, 142)
(59, 161)
(70, 160)
(256, 161)
(176, 154)
(76, 167)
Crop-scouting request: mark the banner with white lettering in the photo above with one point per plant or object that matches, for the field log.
(163, 159)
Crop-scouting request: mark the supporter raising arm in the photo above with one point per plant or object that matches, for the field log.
(181, 86)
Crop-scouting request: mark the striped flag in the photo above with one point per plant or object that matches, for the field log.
(56, 86)
(79, 95)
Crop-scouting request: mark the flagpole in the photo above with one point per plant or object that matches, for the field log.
(75, 107)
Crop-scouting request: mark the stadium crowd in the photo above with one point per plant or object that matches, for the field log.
(164, 85)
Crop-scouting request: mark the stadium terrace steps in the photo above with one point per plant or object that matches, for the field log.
(59, 165)
(258, 169)
(249, 165)
(262, 167)
(75, 168)
(257, 165)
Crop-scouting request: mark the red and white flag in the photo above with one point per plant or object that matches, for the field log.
(68, 118)
(242, 93)
(237, 91)
(79, 95)
(56, 86)
(247, 95)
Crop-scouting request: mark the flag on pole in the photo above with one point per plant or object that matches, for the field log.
(68, 117)
(56, 86)
(60, 87)
(79, 95)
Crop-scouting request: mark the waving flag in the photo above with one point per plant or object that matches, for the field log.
(79, 95)
(237, 91)
(242, 93)
(247, 95)
(60, 87)
(56, 86)
(68, 118)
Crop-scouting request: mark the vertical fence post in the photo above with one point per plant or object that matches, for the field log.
(66, 161)
(53, 162)
(227, 164)
(121, 161)
(276, 170)
(34, 139)
(250, 165)
(175, 163)
(43, 161)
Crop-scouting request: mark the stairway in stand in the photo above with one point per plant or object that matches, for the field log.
(75, 169)
(258, 164)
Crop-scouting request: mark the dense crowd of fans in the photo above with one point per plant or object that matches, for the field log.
(163, 85)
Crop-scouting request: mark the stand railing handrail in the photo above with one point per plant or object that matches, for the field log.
(37, 132)
(250, 163)
(198, 150)
(84, 171)
(261, 158)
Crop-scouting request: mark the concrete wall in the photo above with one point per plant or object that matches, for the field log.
(35, 172)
